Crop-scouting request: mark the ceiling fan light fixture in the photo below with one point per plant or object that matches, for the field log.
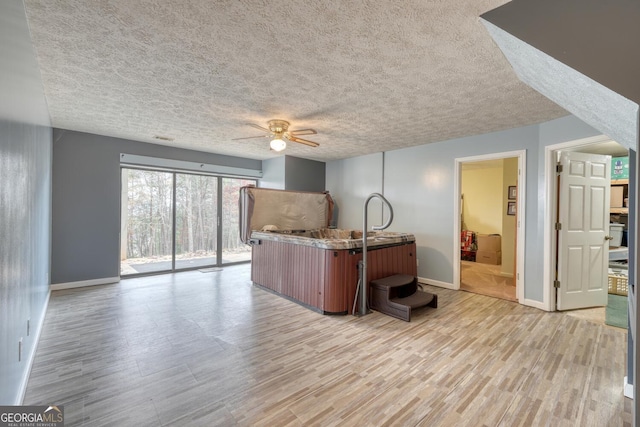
(279, 133)
(278, 144)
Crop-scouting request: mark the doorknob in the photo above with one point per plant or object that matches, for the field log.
(608, 238)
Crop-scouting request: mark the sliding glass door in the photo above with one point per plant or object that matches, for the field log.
(175, 221)
(196, 220)
(147, 222)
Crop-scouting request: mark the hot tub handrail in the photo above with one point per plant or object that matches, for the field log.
(362, 280)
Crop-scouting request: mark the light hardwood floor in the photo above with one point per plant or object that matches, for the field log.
(207, 349)
(485, 279)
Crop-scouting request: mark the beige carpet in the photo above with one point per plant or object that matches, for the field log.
(485, 279)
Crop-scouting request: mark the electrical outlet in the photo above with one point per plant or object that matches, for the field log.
(417, 262)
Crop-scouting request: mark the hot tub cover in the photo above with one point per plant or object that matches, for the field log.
(282, 210)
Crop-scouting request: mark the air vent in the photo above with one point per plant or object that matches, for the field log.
(162, 138)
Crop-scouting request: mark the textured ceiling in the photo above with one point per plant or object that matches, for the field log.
(369, 76)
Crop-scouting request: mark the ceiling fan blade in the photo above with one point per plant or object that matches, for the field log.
(302, 132)
(303, 141)
(259, 127)
(250, 137)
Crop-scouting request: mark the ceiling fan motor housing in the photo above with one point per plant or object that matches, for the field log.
(279, 130)
(278, 126)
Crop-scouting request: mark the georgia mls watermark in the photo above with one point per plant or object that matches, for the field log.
(32, 416)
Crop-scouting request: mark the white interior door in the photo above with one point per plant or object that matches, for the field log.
(583, 245)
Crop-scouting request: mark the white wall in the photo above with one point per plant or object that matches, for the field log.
(419, 183)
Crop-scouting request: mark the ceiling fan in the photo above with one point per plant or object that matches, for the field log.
(279, 132)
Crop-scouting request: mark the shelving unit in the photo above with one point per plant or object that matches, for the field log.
(623, 211)
(624, 183)
(618, 214)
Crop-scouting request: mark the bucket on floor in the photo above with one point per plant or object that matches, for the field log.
(615, 231)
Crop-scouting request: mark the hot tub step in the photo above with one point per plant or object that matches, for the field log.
(397, 295)
(417, 300)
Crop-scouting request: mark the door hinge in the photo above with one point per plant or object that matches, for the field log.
(558, 226)
(556, 284)
(559, 168)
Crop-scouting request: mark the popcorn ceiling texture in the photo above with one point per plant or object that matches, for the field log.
(369, 76)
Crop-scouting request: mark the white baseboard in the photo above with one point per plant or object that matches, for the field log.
(32, 354)
(83, 283)
(436, 283)
(628, 389)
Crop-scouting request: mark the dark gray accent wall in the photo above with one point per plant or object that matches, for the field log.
(597, 38)
(589, 73)
(304, 174)
(25, 201)
(293, 173)
(86, 200)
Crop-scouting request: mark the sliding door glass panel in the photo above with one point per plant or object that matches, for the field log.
(233, 250)
(196, 220)
(147, 221)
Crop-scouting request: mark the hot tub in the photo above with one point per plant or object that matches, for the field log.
(309, 263)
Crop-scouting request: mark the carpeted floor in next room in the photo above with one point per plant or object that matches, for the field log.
(485, 279)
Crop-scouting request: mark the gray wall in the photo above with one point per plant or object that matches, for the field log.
(86, 200)
(607, 56)
(273, 173)
(25, 201)
(304, 174)
(293, 173)
(419, 184)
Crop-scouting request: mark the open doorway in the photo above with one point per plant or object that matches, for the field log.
(491, 209)
(613, 277)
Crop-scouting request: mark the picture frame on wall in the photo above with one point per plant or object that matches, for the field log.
(513, 191)
(511, 208)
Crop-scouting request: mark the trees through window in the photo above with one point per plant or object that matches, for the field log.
(173, 221)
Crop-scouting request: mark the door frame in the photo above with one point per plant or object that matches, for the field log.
(521, 155)
(550, 205)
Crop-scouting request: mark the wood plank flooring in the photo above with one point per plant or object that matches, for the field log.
(207, 349)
